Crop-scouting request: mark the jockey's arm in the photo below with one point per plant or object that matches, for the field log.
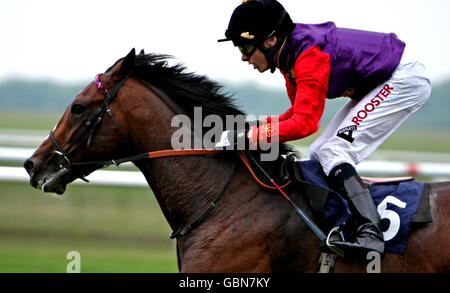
(312, 70)
(291, 92)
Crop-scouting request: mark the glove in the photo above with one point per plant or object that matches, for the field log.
(263, 133)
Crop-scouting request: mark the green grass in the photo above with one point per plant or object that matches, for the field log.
(114, 229)
(47, 255)
(83, 209)
(28, 120)
(418, 140)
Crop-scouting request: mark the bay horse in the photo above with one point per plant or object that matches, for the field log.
(251, 229)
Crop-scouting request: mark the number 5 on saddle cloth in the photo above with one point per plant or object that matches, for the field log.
(400, 203)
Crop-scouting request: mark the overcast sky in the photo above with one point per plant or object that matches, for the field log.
(73, 41)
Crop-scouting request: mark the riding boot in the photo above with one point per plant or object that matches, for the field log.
(368, 236)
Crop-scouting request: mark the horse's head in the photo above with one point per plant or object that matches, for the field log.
(92, 128)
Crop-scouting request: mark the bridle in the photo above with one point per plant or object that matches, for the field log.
(90, 128)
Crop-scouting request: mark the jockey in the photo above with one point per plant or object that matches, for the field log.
(320, 61)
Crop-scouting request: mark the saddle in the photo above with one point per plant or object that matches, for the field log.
(403, 197)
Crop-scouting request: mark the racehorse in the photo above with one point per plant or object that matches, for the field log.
(251, 229)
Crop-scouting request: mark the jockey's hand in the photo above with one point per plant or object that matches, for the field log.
(260, 134)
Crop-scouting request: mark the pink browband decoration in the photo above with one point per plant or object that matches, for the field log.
(99, 83)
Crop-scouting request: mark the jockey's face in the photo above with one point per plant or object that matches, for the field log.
(258, 59)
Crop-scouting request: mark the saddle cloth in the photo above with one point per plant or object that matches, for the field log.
(397, 203)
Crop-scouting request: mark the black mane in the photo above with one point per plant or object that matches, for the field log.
(188, 90)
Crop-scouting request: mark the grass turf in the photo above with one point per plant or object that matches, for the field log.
(114, 229)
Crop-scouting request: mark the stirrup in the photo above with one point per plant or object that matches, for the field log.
(332, 247)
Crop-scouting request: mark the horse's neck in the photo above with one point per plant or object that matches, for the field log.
(184, 186)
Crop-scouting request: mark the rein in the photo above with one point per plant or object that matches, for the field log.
(244, 159)
(181, 152)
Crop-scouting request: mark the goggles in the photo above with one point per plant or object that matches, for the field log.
(247, 49)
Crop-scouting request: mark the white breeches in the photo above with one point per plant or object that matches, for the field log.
(361, 126)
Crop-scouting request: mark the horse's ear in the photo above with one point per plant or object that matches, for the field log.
(128, 63)
(142, 52)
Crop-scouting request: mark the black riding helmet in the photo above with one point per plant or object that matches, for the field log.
(253, 22)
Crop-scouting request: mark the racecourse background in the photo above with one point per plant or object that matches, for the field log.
(114, 228)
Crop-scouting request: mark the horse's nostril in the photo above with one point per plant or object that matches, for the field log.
(28, 165)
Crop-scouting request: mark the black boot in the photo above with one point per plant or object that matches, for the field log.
(368, 236)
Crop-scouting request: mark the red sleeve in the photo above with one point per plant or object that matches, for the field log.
(290, 88)
(312, 70)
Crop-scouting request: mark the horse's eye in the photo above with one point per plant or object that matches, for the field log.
(77, 109)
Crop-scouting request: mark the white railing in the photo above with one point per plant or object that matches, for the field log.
(101, 177)
(381, 163)
(133, 178)
(20, 154)
(28, 140)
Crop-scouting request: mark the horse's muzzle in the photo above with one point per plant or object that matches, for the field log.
(29, 167)
(52, 176)
(56, 182)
